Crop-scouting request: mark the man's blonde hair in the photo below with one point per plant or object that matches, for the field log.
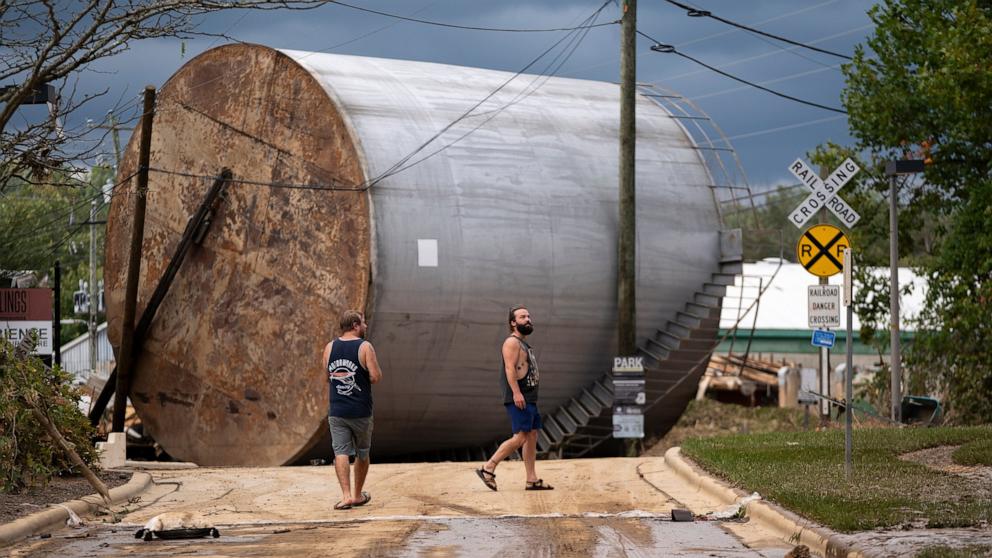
(349, 319)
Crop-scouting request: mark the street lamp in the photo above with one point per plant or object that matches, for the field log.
(40, 95)
(892, 170)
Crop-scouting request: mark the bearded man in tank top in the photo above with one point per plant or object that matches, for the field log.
(519, 379)
(352, 368)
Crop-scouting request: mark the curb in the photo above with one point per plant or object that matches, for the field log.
(54, 518)
(787, 525)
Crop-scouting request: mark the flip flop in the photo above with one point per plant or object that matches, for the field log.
(342, 506)
(366, 498)
(488, 479)
(538, 485)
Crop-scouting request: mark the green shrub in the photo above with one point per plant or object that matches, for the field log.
(28, 456)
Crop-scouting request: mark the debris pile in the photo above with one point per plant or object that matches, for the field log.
(741, 379)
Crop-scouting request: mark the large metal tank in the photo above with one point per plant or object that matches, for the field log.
(519, 200)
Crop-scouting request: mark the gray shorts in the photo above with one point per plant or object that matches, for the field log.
(351, 436)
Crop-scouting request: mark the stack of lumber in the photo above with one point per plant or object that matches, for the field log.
(735, 373)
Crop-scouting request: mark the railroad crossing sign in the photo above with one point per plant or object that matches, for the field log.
(824, 193)
(821, 250)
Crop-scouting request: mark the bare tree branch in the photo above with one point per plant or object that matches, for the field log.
(46, 41)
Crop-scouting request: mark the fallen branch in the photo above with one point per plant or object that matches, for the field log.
(68, 448)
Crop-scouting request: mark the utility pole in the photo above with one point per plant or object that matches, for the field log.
(125, 363)
(93, 293)
(626, 270)
(57, 317)
(115, 135)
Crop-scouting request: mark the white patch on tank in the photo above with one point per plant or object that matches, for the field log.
(427, 252)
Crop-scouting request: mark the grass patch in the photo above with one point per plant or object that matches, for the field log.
(804, 471)
(707, 418)
(978, 452)
(977, 551)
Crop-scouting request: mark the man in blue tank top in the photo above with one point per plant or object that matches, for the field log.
(519, 378)
(352, 368)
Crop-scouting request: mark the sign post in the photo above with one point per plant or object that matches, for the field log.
(807, 384)
(820, 250)
(628, 397)
(849, 363)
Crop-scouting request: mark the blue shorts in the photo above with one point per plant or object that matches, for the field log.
(524, 420)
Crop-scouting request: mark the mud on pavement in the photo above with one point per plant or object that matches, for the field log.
(600, 507)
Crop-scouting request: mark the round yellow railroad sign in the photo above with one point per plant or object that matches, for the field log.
(821, 250)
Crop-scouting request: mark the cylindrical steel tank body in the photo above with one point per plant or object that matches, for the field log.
(434, 229)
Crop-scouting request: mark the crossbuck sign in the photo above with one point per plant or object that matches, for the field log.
(824, 193)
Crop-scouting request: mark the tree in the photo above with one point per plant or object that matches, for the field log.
(45, 43)
(926, 91)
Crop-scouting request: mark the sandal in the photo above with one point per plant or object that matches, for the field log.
(342, 506)
(488, 478)
(366, 498)
(538, 485)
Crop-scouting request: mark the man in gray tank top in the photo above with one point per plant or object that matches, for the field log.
(519, 379)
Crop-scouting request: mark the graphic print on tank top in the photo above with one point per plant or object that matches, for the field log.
(342, 373)
(533, 376)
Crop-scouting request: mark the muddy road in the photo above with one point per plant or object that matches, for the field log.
(600, 507)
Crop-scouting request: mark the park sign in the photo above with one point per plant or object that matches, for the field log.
(26, 311)
(629, 397)
(825, 193)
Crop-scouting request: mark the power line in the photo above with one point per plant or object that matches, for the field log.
(399, 165)
(762, 22)
(62, 214)
(580, 27)
(695, 12)
(369, 33)
(786, 127)
(68, 236)
(574, 36)
(470, 27)
(765, 82)
(666, 48)
(551, 69)
(767, 54)
(553, 66)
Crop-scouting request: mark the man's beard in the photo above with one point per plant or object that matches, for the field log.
(525, 329)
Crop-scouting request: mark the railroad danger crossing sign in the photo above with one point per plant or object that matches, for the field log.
(821, 250)
(824, 193)
(824, 306)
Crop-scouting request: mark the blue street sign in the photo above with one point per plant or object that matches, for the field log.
(823, 338)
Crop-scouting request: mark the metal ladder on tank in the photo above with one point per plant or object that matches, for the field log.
(675, 357)
(678, 354)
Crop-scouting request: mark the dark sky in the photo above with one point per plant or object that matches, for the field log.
(767, 131)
